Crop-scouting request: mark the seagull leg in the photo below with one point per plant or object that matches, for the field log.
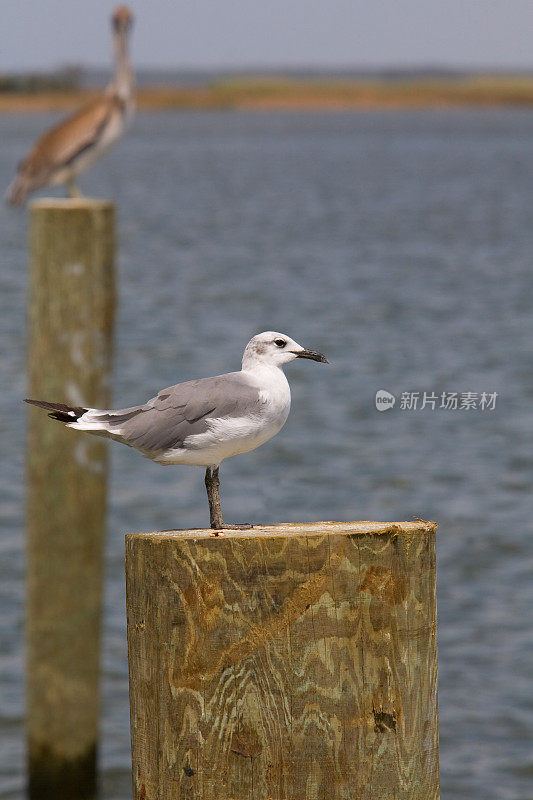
(72, 188)
(212, 483)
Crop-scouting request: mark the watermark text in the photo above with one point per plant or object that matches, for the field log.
(436, 401)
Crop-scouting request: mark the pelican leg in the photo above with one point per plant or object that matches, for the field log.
(212, 483)
(72, 188)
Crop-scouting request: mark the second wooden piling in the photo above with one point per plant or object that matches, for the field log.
(295, 662)
(71, 309)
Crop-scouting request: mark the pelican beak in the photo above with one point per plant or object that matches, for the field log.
(314, 355)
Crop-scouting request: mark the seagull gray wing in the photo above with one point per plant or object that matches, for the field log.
(167, 421)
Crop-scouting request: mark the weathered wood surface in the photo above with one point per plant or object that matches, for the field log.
(71, 309)
(287, 662)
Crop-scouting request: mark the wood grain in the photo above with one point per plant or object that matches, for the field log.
(71, 309)
(291, 662)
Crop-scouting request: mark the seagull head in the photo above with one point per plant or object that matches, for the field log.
(122, 19)
(276, 349)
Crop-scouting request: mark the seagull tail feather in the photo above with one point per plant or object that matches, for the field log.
(59, 411)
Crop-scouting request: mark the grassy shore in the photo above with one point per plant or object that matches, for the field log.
(275, 94)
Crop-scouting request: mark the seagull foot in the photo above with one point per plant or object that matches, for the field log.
(231, 526)
(237, 526)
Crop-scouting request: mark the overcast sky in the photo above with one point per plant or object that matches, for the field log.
(241, 33)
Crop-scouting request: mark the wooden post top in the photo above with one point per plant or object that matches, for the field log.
(288, 661)
(70, 203)
(294, 529)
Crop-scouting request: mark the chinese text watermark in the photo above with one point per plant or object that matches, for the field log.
(448, 401)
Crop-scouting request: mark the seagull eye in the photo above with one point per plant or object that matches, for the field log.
(280, 342)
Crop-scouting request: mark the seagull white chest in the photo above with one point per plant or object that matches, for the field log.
(241, 434)
(274, 394)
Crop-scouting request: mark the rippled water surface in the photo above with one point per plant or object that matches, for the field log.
(400, 244)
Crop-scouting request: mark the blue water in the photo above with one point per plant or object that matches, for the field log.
(400, 244)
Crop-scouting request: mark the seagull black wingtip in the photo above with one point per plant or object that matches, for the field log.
(313, 355)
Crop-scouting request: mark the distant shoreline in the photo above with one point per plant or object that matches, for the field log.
(274, 94)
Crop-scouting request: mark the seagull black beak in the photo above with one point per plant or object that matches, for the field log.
(314, 355)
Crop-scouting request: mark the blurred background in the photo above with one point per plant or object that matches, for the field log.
(360, 177)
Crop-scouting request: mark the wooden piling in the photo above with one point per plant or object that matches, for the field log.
(296, 662)
(71, 309)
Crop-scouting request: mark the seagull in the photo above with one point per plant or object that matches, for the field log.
(202, 422)
(69, 148)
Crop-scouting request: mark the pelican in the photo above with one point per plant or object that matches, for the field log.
(69, 148)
